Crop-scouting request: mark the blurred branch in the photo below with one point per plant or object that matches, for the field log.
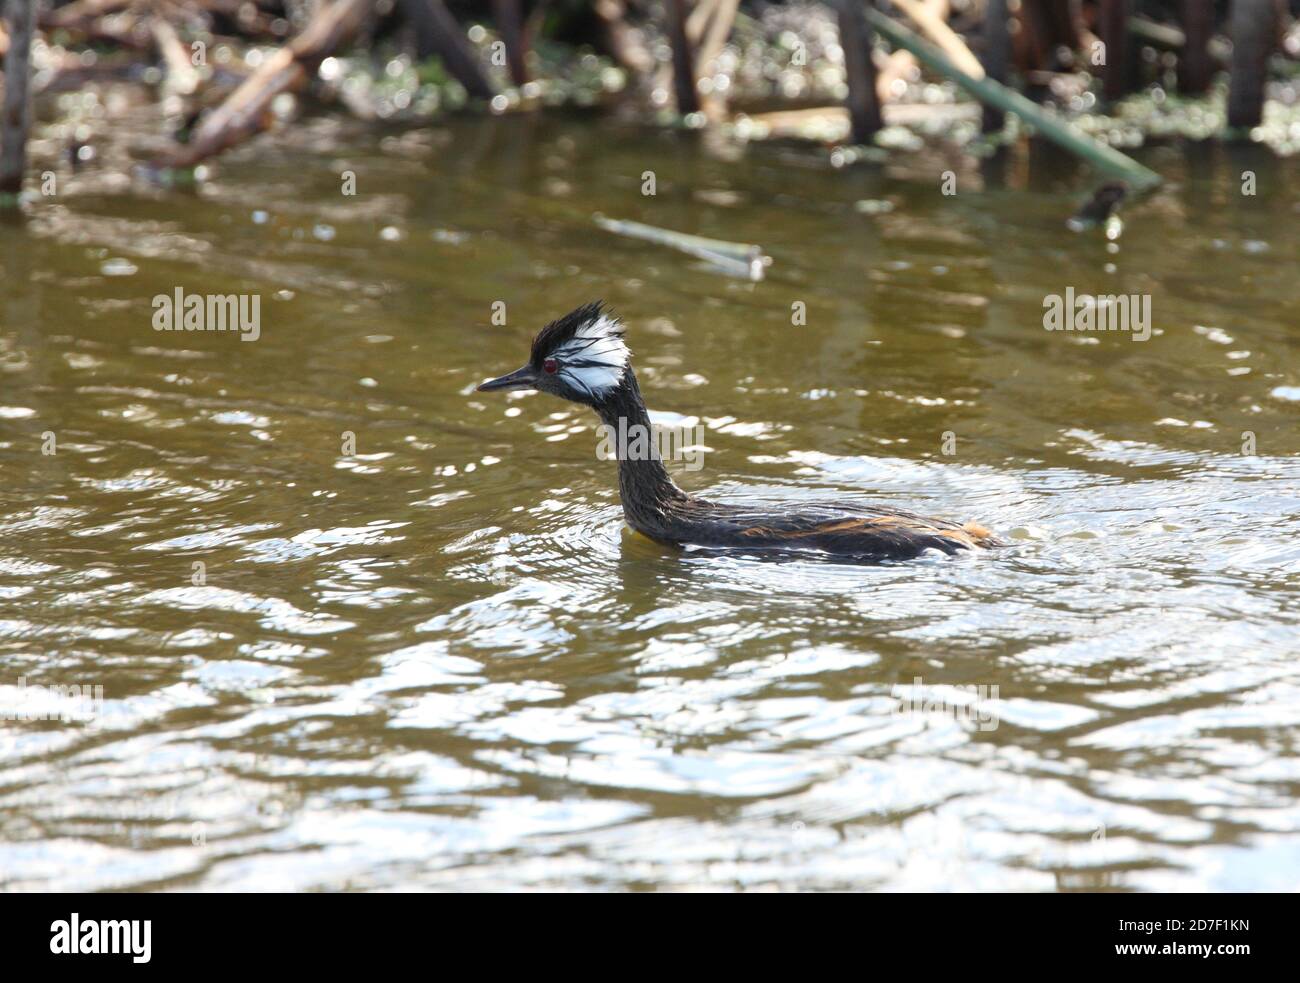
(98, 20)
(247, 110)
(17, 119)
(437, 33)
(181, 74)
(1060, 132)
(510, 25)
(863, 100)
(933, 24)
(719, 29)
(683, 58)
(79, 14)
(625, 41)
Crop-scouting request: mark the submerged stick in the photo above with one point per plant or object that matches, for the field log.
(17, 120)
(863, 101)
(510, 24)
(737, 258)
(1194, 66)
(688, 100)
(1254, 35)
(1117, 75)
(997, 55)
(1060, 132)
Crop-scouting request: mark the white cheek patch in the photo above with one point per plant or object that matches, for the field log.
(594, 359)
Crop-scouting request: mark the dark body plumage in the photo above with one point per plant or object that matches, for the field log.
(654, 506)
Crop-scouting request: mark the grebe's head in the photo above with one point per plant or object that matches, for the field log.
(580, 357)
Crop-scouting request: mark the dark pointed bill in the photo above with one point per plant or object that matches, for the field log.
(524, 378)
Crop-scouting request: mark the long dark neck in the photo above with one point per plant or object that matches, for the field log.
(643, 481)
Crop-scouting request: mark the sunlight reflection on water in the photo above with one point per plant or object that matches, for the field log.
(442, 661)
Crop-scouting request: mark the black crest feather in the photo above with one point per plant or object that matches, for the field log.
(564, 328)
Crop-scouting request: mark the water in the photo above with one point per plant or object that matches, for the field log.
(441, 661)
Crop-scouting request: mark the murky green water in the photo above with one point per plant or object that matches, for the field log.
(443, 662)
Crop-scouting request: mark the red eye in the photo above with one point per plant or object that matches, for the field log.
(549, 366)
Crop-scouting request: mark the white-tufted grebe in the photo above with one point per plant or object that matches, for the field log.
(582, 358)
